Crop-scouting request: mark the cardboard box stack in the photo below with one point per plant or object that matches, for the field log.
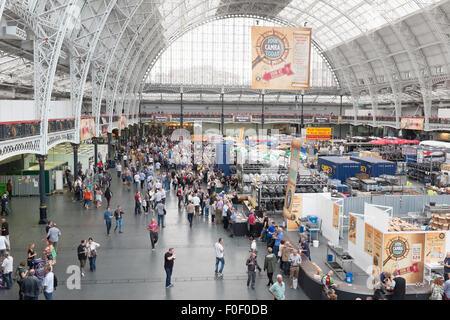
(397, 224)
(440, 221)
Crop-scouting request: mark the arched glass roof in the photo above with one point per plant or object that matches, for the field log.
(219, 54)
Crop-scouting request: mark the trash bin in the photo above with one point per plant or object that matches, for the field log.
(313, 219)
(315, 243)
(349, 277)
(330, 258)
(301, 229)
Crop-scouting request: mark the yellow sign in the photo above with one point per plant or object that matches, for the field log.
(404, 252)
(435, 247)
(352, 228)
(318, 133)
(281, 58)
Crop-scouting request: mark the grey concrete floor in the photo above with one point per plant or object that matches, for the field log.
(127, 268)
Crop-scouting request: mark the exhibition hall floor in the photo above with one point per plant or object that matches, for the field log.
(126, 266)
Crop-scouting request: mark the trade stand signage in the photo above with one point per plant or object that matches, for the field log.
(281, 58)
(39, 268)
(318, 133)
(412, 123)
(404, 253)
(321, 120)
(292, 179)
(352, 228)
(87, 129)
(435, 247)
(377, 257)
(242, 119)
(336, 211)
(297, 211)
(368, 239)
(161, 118)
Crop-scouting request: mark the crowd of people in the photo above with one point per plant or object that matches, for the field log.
(156, 168)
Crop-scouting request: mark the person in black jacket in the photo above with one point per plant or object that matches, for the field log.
(398, 287)
(252, 265)
(82, 255)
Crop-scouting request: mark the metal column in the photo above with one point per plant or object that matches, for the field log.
(109, 145)
(42, 195)
(302, 125)
(222, 116)
(297, 125)
(75, 160)
(262, 110)
(181, 107)
(95, 153)
(340, 123)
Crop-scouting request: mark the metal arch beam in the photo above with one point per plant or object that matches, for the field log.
(354, 45)
(2, 7)
(80, 63)
(418, 58)
(264, 16)
(390, 70)
(47, 48)
(124, 63)
(434, 17)
(347, 75)
(216, 18)
(109, 102)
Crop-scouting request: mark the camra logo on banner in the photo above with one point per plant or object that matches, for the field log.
(327, 169)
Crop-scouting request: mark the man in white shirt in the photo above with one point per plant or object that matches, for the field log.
(125, 158)
(48, 283)
(252, 245)
(137, 180)
(163, 195)
(119, 169)
(196, 203)
(158, 184)
(4, 244)
(295, 260)
(7, 269)
(219, 257)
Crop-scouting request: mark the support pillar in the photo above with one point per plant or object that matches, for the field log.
(181, 110)
(302, 125)
(262, 110)
(222, 119)
(109, 145)
(297, 124)
(95, 153)
(340, 122)
(42, 195)
(75, 160)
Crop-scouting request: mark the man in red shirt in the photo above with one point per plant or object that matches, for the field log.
(153, 228)
(137, 199)
(252, 223)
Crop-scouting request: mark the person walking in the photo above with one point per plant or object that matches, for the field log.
(270, 262)
(137, 203)
(31, 286)
(118, 214)
(4, 245)
(108, 196)
(190, 212)
(153, 228)
(4, 228)
(7, 269)
(278, 289)
(92, 253)
(31, 256)
(295, 259)
(82, 252)
(252, 265)
(169, 259)
(48, 283)
(108, 215)
(160, 212)
(53, 234)
(21, 272)
(219, 257)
